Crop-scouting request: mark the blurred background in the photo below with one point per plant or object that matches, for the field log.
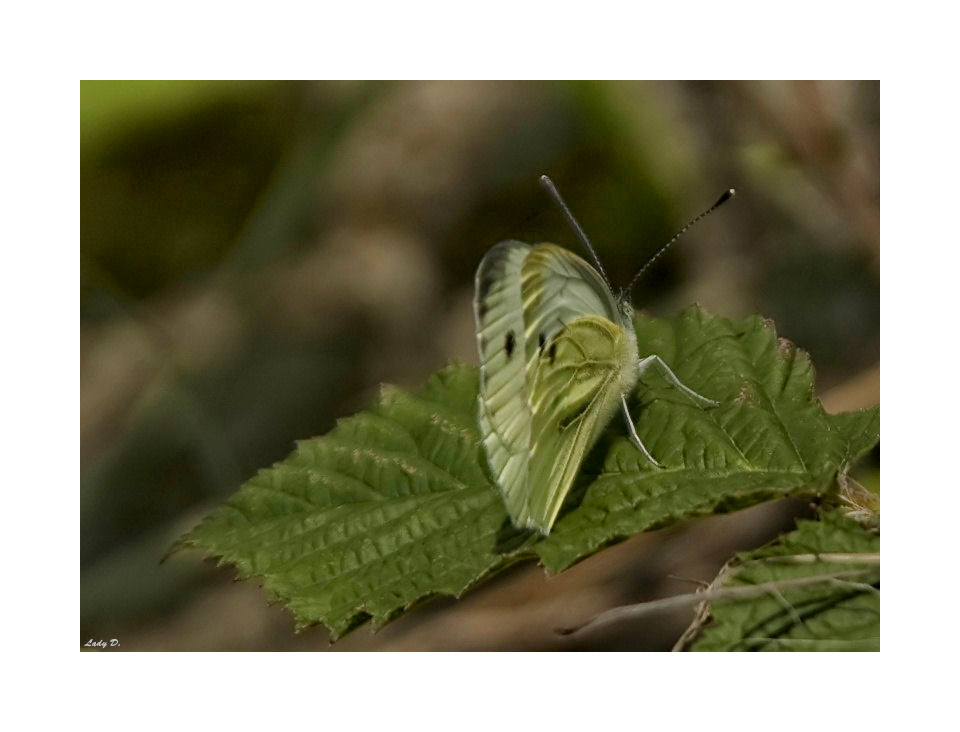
(256, 257)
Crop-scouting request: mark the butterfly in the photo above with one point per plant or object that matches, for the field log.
(558, 357)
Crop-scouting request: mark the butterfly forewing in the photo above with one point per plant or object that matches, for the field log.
(557, 287)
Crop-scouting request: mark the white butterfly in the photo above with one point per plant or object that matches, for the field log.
(558, 357)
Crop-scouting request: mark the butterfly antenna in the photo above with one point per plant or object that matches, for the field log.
(555, 195)
(728, 194)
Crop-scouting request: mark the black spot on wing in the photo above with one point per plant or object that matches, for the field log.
(543, 340)
(552, 353)
(509, 343)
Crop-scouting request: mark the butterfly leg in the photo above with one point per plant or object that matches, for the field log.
(671, 377)
(634, 437)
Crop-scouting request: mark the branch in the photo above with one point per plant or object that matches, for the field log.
(726, 593)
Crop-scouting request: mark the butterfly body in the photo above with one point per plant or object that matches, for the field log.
(557, 353)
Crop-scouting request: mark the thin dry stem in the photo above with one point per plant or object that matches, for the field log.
(727, 593)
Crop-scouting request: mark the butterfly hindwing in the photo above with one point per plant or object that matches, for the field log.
(554, 359)
(576, 388)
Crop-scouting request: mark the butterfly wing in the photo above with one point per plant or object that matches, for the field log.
(554, 359)
(557, 287)
(576, 388)
(505, 417)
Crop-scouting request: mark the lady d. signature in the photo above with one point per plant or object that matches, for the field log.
(102, 643)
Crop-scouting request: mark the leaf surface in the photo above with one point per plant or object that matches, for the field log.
(824, 593)
(396, 504)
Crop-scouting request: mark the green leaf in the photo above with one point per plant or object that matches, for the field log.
(396, 504)
(861, 429)
(818, 590)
